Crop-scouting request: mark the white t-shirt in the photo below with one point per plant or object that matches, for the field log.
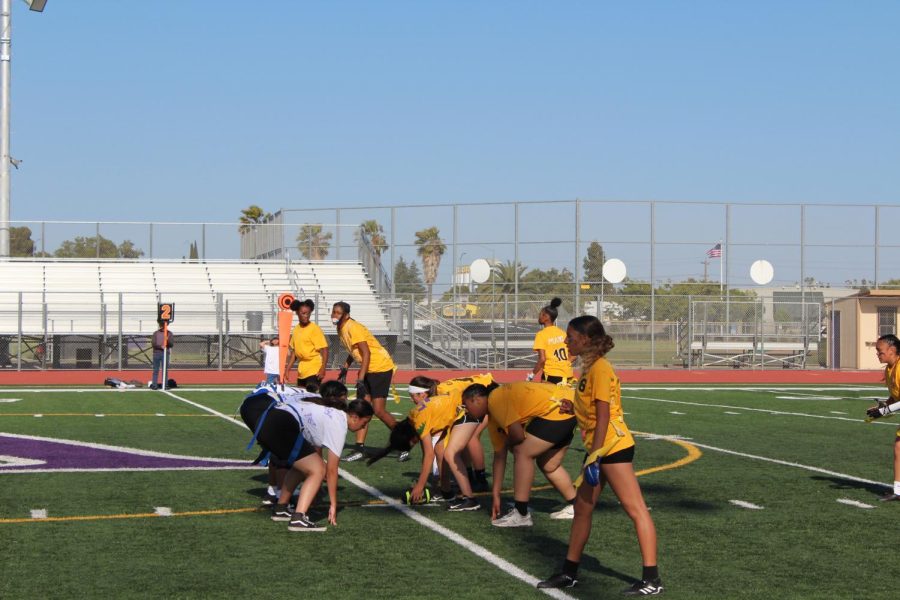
(271, 366)
(322, 426)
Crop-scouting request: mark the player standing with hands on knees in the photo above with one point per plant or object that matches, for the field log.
(553, 362)
(888, 350)
(376, 369)
(610, 448)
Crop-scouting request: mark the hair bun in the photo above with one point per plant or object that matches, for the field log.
(555, 302)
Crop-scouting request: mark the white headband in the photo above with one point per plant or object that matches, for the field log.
(414, 389)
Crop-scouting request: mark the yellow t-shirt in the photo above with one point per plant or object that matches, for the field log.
(602, 383)
(306, 343)
(552, 340)
(439, 413)
(892, 379)
(455, 387)
(522, 401)
(353, 332)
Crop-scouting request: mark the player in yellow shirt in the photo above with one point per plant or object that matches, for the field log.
(442, 427)
(474, 455)
(376, 369)
(308, 346)
(553, 362)
(888, 350)
(525, 419)
(610, 447)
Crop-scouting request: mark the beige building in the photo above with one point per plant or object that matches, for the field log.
(854, 325)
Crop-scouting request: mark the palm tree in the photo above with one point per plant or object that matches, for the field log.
(312, 243)
(374, 232)
(431, 248)
(504, 276)
(252, 215)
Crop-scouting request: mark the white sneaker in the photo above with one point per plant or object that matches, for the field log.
(513, 519)
(567, 512)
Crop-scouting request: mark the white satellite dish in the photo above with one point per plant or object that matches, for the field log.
(480, 271)
(761, 272)
(614, 270)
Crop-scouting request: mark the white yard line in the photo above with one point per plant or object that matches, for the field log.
(163, 511)
(745, 504)
(762, 410)
(481, 552)
(855, 503)
(39, 513)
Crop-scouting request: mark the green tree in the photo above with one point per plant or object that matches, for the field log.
(194, 252)
(252, 215)
(313, 243)
(86, 247)
(408, 279)
(593, 263)
(374, 232)
(20, 242)
(430, 249)
(503, 277)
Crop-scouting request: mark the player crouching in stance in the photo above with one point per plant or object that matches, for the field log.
(888, 349)
(526, 419)
(294, 426)
(610, 446)
(443, 429)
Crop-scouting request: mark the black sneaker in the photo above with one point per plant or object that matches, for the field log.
(463, 504)
(300, 522)
(281, 512)
(442, 496)
(403, 457)
(558, 580)
(889, 497)
(355, 454)
(270, 500)
(480, 485)
(645, 588)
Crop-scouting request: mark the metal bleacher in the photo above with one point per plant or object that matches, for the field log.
(93, 297)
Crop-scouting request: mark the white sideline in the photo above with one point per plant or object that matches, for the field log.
(481, 552)
(855, 503)
(39, 513)
(745, 504)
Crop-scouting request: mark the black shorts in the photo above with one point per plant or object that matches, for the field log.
(558, 433)
(378, 384)
(279, 431)
(622, 456)
(305, 381)
(466, 418)
(552, 378)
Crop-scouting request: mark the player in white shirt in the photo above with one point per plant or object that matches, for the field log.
(295, 426)
(271, 364)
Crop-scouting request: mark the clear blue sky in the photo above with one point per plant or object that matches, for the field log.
(191, 110)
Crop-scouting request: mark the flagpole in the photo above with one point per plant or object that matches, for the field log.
(721, 268)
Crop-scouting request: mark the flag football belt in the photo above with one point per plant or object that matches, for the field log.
(599, 453)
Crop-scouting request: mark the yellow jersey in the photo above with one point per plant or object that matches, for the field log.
(552, 340)
(602, 383)
(437, 415)
(306, 343)
(522, 401)
(455, 387)
(892, 379)
(353, 332)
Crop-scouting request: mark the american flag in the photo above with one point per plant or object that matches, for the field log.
(715, 251)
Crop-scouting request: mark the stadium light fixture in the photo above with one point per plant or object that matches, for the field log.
(5, 46)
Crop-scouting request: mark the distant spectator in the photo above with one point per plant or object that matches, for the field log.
(162, 345)
(271, 365)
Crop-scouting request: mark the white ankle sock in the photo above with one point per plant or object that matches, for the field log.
(897, 488)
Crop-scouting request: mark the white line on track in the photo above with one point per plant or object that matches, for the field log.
(855, 503)
(762, 410)
(40, 513)
(484, 553)
(9, 400)
(745, 504)
(163, 511)
(785, 463)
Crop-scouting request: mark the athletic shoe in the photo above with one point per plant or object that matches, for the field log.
(558, 580)
(513, 519)
(463, 504)
(281, 512)
(355, 455)
(480, 485)
(444, 497)
(270, 500)
(645, 588)
(567, 512)
(889, 497)
(404, 456)
(300, 522)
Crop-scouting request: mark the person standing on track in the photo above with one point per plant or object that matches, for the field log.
(610, 448)
(553, 363)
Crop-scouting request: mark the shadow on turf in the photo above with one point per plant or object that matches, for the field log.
(838, 483)
(552, 547)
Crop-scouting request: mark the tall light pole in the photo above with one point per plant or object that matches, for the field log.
(5, 49)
